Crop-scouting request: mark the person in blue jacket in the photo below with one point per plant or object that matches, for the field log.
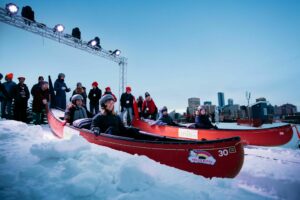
(61, 88)
(6, 106)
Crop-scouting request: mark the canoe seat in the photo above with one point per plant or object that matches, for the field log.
(83, 123)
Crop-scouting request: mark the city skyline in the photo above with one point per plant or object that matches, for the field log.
(192, 48)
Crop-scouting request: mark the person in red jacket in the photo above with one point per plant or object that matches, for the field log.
(149, 109)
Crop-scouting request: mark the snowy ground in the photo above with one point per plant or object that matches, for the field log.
(36, 165)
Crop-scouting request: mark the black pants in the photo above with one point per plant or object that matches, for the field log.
(20, 111)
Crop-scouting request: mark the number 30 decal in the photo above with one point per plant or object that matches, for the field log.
(223, 152)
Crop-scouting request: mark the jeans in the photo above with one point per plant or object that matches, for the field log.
(127, 112)
(6, 109)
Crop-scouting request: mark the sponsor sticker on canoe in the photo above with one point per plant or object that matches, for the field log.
(186, 133)
(201, 157)
(69, 132)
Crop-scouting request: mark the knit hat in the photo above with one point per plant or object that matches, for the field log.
(61, 75)
(105, 99)
(128, 89)
(147, 94)
(10, 76)
(107, 89)
(163, 109)
(41, 78)
(95, 84)
(76, 97)
(1, 76)
(79, 84)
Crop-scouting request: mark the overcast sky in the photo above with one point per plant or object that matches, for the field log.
(175, 49)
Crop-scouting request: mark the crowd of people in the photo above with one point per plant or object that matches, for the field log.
(102, 119)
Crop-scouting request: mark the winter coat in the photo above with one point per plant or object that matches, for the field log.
(9, 87)
(35, 88)
(82, 92)
(202, 121)
(95, 95)
(3, 92)
(110, 94)
(60, 97)
(149, 107)
(166, 119)
(105, 121)
(126, 101)
(73, 113)
(21, 94)
(38, 96)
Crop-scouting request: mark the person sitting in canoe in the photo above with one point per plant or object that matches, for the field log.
(164, 118)
(76, 110)
(107, 121)
(149, 108)
(202, 120)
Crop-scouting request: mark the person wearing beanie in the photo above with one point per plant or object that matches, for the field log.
(61, 88)
(127, 106)
(149, 108)
(80, 90)
(164, 118)
(108, 91)
(94, 97)
(6, 105)
(107, 121)
(202, 120)
(37, 86)
(140, 101)
(40, 99)
(21, 95)
(76, 109)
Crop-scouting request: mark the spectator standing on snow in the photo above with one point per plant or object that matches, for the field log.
(41, 96)
(80, 90)
(94, 97)
(3, 93)
(149, 108)
(61, 88)
(21, 95)
(6, 106)
(127, 106)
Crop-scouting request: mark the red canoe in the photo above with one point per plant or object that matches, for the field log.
(217, 158)
(261, 137)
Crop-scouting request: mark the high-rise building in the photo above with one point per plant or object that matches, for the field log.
(208, 103)
(230, 102)
(221, 99)
(193, 104)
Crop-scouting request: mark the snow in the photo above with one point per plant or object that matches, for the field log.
(34, 164)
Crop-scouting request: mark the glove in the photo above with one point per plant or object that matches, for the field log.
(96, 131)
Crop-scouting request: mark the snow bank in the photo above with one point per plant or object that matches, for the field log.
(36, 165)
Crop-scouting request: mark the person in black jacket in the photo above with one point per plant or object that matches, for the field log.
(107, 121)
(164, 118)
(21, 95)
(6, 105)
(94, 97)
(37, 86)
(3, 92)
(202, 120)
(41, 96)
(127, 106)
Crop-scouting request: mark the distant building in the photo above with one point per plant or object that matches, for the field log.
(230, 102)
(193, 104)
(221, 99)
(231, 112)
(288, 109)
(210, 109)
(207, 103)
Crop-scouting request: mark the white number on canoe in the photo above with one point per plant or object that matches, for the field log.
(223, 152)
(186, 133)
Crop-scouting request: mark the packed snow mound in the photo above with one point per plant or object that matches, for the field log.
(36, 165)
